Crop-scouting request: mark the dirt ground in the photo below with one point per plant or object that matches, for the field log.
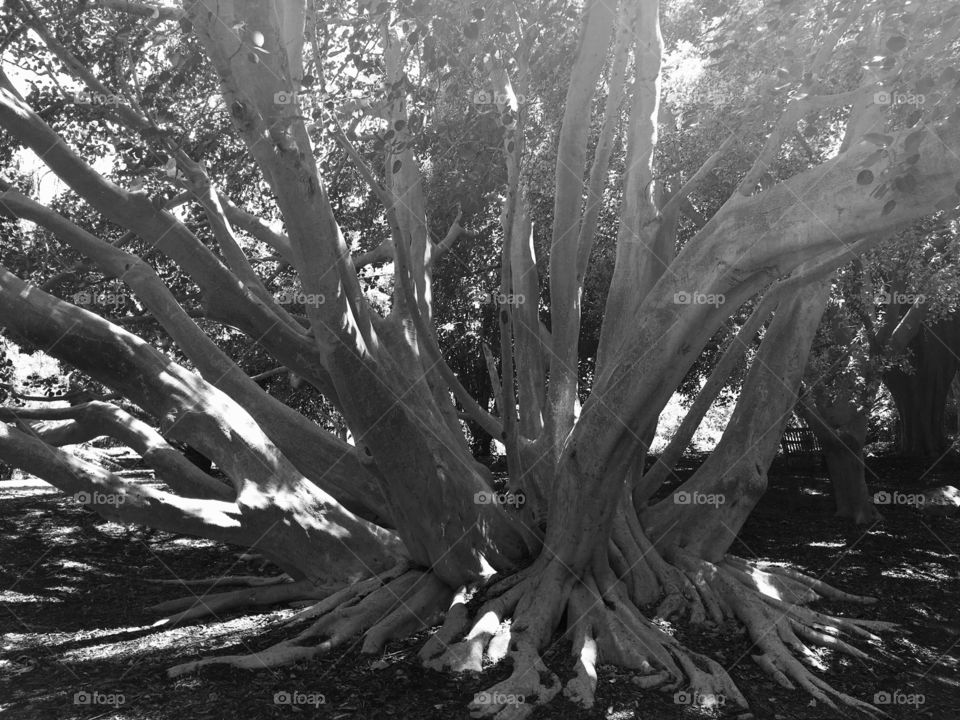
(77, 641)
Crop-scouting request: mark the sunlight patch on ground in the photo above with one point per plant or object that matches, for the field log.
(192, 542)
(912, 573)
(74, 565)
(827, 544)
(185, 640)
(202, 639)
(11, 596)
(61, 534)
(21, 486)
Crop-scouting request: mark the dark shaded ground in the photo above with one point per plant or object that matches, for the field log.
(73, 621)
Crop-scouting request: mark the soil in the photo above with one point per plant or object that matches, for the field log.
(77, 641)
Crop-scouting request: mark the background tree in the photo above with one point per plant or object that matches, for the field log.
(882, 306)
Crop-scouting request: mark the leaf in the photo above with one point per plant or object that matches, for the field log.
(912, 160)
(399, 125)
(888, 208)
(396, 166)
(878, 139)
(864, 177)
(872, 158)
(914, 118)
(905, 184)
(896, 43)
(912, 143)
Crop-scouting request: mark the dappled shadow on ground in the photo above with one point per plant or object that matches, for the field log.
(78, 642)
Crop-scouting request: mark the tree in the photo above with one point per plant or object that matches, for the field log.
(920, 390)
(882, 307)
(399, 529)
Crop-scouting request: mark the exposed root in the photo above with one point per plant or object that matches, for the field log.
(467, 654)
(245, 580)
(680, 592)
(382, 608)
(454, 624)
(820, 587)
(217, 603)
(604, 625)
(520, 614)
(780, 627)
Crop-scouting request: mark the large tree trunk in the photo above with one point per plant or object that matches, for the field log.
(840, 425)
(724, 490)
(921, 394)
